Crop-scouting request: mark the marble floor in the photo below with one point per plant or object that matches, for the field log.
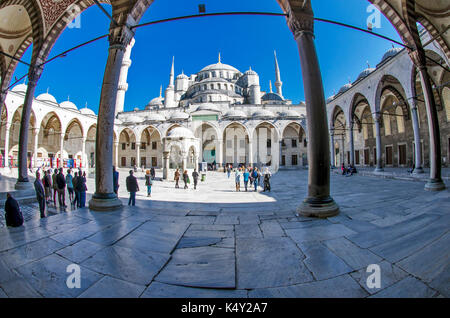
(216, 242)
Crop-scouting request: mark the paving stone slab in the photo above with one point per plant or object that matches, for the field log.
(226, 242)
(211, 227)
(294, 224)
(351, 254)
(160, 290)
(114, 233)
(259, 266)
(227, 219)
(208, 267)
(19, 288)
(80, 251)
(127, 264)
(322, 262)
(389, 275)
(271, 228)
(198, 241)
(109, 287)
(30, 252)
(339, 287)
(408, 287)
(185, 219)
(207, 233)
(49, 275)
(319, 233)
(79, 233)
(17, 239)
(248, 230)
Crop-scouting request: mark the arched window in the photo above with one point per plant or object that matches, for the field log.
(386, 123)
(400, 119)
(214, 74)
(212, 86)
(446, 100)
(218, 86)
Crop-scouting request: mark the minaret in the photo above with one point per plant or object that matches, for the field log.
(169, 97)
(123, 85)
(278, 82)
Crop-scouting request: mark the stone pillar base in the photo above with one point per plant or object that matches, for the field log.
(435, 185)
(378, 170)
(320, 208)
(23, 185)
(105, 203)
(418, 170)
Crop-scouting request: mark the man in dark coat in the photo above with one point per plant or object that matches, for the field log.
(61, 181)
(40, 194)
(13, 215)
(132, 187)
(195, 177)
(115, 180)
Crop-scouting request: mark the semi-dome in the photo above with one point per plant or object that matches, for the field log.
(272, 96)
(262, 113)
(69, 105)
(345, 88)
(365, 73)
(21, 88)
(208, 106)
(178, 116)
(290, 114)
(390, 53)
(46, 97)
(234, 113)
(180, 132)
(155, 117)
(156, 101)
(87, 111)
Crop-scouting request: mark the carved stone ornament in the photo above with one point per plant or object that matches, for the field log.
(300, 17)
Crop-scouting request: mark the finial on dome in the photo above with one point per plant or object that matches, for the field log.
(48, 89)
(270, 85)
(68, 97)
(393, 45)
(349, 80)
(160, 91)
(220, 60)
(368, 65)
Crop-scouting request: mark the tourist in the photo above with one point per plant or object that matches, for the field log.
(237, 179)
(13, 215)
(81, 189)
(267, 176)
(61, 183)
(76, 201)
(185, 179)
(255, 178)
(228, 171)
(40, 194)
(246, 177)
(55, 185)
(148, 183)
(343, 169)
(132, 187)
(115, 180)
(47, 186)
(195, 178)
(69, 180)
(177, 178)
(153, 172)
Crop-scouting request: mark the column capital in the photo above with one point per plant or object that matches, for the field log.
(300, 18)
(418, 58)
(120, 37)
(35, 131)
(377, 116)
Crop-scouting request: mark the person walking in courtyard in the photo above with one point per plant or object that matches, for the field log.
(237, 179)
(61, 182)
(40, 194)
(47, 186)
(228, 171)
(267, 176)
(69, 184)
(185, 179)
(177, 178)
(132, 187)
(195, 178)
(81, 189)
(153, 173)
(246, 176)
(255, 178)
(55, 185)
(13, 215)
(148, 183)
(115, 180)
(76, 201)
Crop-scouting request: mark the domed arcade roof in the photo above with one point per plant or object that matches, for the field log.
(262, 113)
(69, 105)
(178, 116)
(365, 73)
(272, 96)
(180, 132)
(345, 88)
(390, 53)
(21, 88)
(87, 111)
(234, 113)
(46, 97)
(155, 117)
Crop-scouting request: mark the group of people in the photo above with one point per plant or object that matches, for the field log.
(133, 185)
(348, 171)
(252, 175)
(186, 179)
(52, 185)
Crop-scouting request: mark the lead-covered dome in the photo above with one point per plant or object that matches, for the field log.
(46, 97)
(208, 106)
(390, 53)
(155, 117)
(156, 101)
(290, 114)
(178, 116)
(180, 132)
(263, 113)
(365, 73)
(234, 113)
(21, 88)
(272, 97)
(345, 88)
(87, 111)
(330, 99)
(219, 67)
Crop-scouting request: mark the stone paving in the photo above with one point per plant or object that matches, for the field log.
(215, 242)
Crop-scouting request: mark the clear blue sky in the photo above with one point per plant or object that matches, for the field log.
(244, 41)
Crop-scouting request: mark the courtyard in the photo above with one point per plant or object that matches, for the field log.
(216, 242)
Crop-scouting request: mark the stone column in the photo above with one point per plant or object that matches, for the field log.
(184, 161)
(33, 76)
(116, 157)
(418, 149)
(318, 203)
(435, 183)
(250, 152)
(196, 161)
(36, 139)
(377, 119)
(83, 152)
(104, 198)
(7, 130)
(332, 151)
(138, 154)
(352, 146)
(166, 156)
(274, 148)
(61, 151)
(219, 155)
(281, 151)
